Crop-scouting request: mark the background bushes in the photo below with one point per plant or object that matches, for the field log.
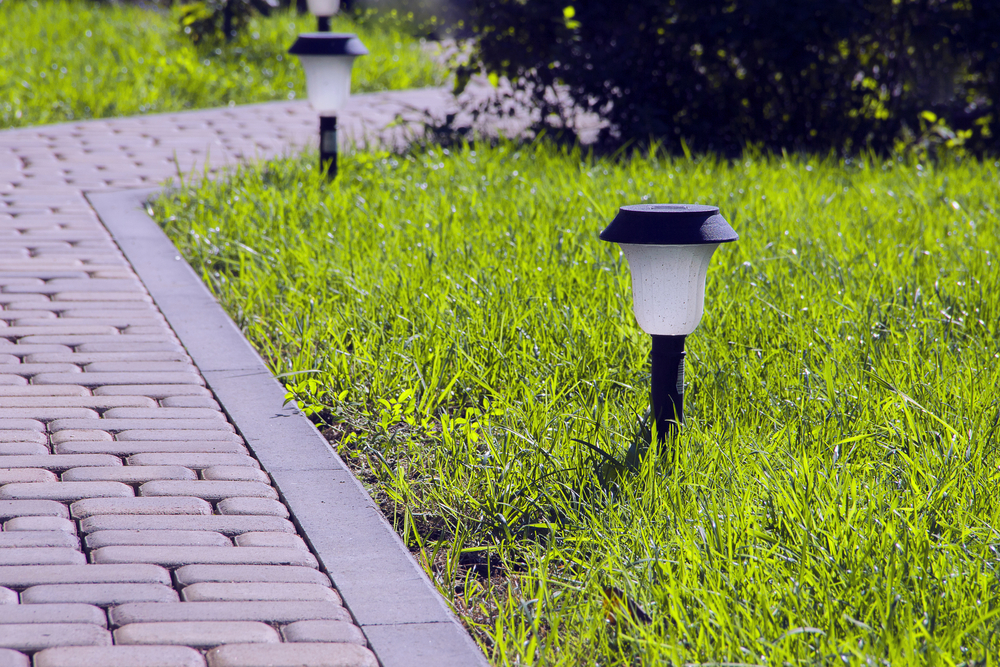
(797, 74)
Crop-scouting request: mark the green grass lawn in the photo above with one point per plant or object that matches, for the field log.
(72, 59)
(459, 329)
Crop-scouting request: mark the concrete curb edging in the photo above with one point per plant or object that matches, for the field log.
(406, 621)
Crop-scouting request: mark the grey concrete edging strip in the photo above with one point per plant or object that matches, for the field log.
(406, 621)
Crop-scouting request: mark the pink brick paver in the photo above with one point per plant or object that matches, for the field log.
(125, 493)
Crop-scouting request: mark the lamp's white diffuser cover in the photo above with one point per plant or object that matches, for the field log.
(328, 81)
(323, 7)
(668, 247)
(668, 285)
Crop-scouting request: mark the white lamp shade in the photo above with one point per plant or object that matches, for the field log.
(328, 81)
(668, 285)
(323, 7)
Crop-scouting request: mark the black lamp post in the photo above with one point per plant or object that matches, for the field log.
(668, 247)
(323, 10)
(327, 58)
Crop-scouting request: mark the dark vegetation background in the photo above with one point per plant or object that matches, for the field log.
(795, 74)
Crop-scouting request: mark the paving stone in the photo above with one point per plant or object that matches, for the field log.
(41, 556)
(26, 317)
(157, 391)
(189, 402)
(12, 658)
(94, 357)
(120, 656)
(139, 329)
(96, 402)
(60, 462)
(193, 574)
(207, 489)
(12, 380)
(236, 474)
(77, 339)
(45, 414)
(265, 612)
(101, 595)
(37, 636)
(126, 346)
(195, 461)
(19, 539)
(162, 538)
(140, 366)
(40, 523)
(65, 491)
(101, 379)
(227, 525)
(148, 424)
(89, 308)
(7, 596)
(37, 575)
(202, 634)
(86, 285)
(81, 435)
(21, 449)
(23, 298)
(32, 390)
(129, 447)
(82, 509)
(323, 631)
(271, 540)
(166, 435)
(37, 332)
(20, 508)
(178, 556)
(259, 506)
(218, 591)
(24, 614)
(291, 655)
(128, 474)
(117, 317)
(22, 435)
(119, 320)
(163, 413)
(11, 424)
(33, 370)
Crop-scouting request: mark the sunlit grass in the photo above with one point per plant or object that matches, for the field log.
(71, 59)
(460, 328)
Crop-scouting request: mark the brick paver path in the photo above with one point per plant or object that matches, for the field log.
(137, 529)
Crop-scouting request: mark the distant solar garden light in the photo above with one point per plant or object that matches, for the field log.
(323, 10)
(668, 248)
(327, 58)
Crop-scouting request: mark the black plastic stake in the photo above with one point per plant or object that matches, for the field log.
(328, 145)
(667, 395)
(323, 24)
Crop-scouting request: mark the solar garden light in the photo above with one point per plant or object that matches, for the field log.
(327, 58)
(668, 247)
(323, 10)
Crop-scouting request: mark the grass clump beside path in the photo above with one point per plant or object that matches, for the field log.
(64, 60)
(461, 331)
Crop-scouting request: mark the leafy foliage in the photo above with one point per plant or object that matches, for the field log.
(209, 22)
(809, 74)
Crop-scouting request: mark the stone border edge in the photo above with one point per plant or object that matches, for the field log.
(406, 621)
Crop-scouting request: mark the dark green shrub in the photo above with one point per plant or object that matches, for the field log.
(801, 74)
